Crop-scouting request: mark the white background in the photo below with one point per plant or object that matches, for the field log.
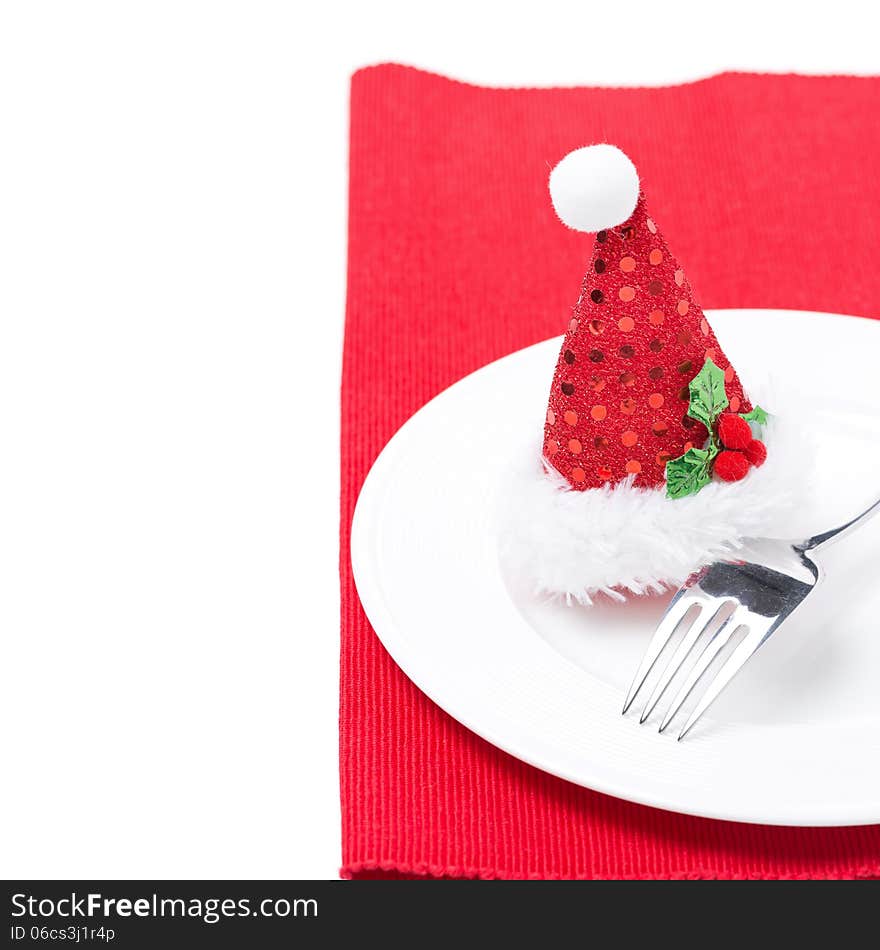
(172, 243)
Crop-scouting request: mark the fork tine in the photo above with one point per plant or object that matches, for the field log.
(704, 661)
(682, 652)
(732, 666)
(675, 613)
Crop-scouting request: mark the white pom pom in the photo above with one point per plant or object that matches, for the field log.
(595, 187)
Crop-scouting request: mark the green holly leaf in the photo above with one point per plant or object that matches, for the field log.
(758, 415)
(690, 472)
(708, 396)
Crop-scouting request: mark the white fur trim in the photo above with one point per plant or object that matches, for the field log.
(622, 539)
(594, 187)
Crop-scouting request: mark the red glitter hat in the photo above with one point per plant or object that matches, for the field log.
(652, 461)
(619, 404)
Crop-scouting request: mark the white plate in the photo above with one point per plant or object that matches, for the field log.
(795, 739)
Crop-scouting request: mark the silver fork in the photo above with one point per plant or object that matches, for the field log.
(755, 595)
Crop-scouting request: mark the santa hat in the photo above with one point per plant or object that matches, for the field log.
(653, 454)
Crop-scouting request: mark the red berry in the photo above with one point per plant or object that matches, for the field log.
(731, 466)
(734, 432)
(756, 452)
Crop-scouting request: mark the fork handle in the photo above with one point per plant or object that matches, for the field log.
(836, 533)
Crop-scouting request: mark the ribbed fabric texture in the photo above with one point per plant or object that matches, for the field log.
(766, 188)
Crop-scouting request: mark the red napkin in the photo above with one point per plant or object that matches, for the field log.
(767, 190)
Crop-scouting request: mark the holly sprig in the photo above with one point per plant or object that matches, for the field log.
(708, 397)
(756, 415)
(691, 472)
